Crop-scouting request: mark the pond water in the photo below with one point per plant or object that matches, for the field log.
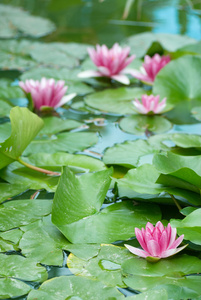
(93, 21)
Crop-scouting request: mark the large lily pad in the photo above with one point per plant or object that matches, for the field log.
(117, 101)
(105, 266)
(138, 124)
(76, 210)
(22, 212)
(72, 287)
(18, 267)
(190, 226)
(68, 141)
(12, 148)
(141, 43)
(130, 153)
(10, 287)
(14, 55)
(10, 190)
(142, 275)
(15, 22)
(53, 125)
(179, 80)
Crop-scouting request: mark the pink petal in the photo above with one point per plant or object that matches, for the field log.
(153, 248)
(171, 252)
(137, 251)
(177, 242)
(140, 238)
(163, 242)
(65, 99)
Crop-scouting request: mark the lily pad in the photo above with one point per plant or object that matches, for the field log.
(130, 153)
(22, 212)
(79, 162)
(179, 80)
(51, 55)
(10, 190)
(8, 91)
(14, 55)
(5, 108)
(17, 22)
(117, 101)
(138, 124)
(18, 267)
(28, 178)
(13, 147)
(79, 217)
(72, 287)
(190, 226)
(141, 43)
(104, 267)
(10, 287)
(68, 141)
(53, 125)
(141, 275)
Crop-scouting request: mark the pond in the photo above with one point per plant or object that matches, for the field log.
(77, 179)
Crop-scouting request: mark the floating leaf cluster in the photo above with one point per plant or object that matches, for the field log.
(68, 206)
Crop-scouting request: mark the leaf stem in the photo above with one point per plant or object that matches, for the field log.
(37, 168)
(176, 202)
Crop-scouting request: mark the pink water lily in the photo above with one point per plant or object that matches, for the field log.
(111, 63)
(157, 242)
(149, 104)
(46, 93)
(151, 67)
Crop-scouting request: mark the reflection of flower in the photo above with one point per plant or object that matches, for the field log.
(150, 104)
(157, 242)
(151, 67)
(46, 93)
(110, 62)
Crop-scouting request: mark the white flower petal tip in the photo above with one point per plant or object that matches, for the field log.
(89, 74)
(157, 242)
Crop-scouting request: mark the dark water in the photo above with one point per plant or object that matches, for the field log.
(96, 21)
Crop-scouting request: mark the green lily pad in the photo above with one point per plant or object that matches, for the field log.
(174, 81)
(10, 190)
(72, 287)
(104, 267)
(53, 240)
(7, 246)
(51, 55)
(15, 21)
(151, 295)
(13, 235)
(77, 162)
(53, 125)
(14, 55)
(141, 43)
(28, 178)
(22, 212)
(13, 147)
(196, 112)
(5, 108)
(67, 141)
(18, 267)
(190, 226)
(138, 124)
(130, 153)
(117, 101)
(10, 287)
(79, 217)
(141, 275)
(146, 179)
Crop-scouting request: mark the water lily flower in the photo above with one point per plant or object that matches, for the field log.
(151, 67)
(149, 104)
(157, 242)
(111, 63)
(46, 93)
